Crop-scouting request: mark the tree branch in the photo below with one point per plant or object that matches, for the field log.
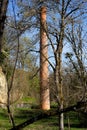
(71, 12)
(47, 114)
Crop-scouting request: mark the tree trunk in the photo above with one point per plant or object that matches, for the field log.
(58, 81)
(3, 9)
(61, 120)
(60, 89)
(68, 123)
(59, 64)
(44, 77)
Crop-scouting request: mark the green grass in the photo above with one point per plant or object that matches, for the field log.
(28, 100)
(4, 121)
(51, 123)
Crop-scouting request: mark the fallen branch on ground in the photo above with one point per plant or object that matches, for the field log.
(47, 114)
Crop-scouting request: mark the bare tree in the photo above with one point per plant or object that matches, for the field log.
(76, 40)
(66, 14)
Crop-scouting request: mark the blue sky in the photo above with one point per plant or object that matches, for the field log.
(31, 33)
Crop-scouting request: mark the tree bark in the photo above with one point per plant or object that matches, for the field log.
(58, 69)
(44, 77)
(3, 9)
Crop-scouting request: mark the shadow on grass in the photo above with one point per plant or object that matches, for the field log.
(25, 113)
(3, 114)
(52, 121)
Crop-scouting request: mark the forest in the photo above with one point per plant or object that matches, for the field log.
(43, 65)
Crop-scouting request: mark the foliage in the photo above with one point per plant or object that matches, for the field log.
(34, 86)
(61, 17)
(2, 57)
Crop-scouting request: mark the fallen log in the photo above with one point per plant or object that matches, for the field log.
(46, 114)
